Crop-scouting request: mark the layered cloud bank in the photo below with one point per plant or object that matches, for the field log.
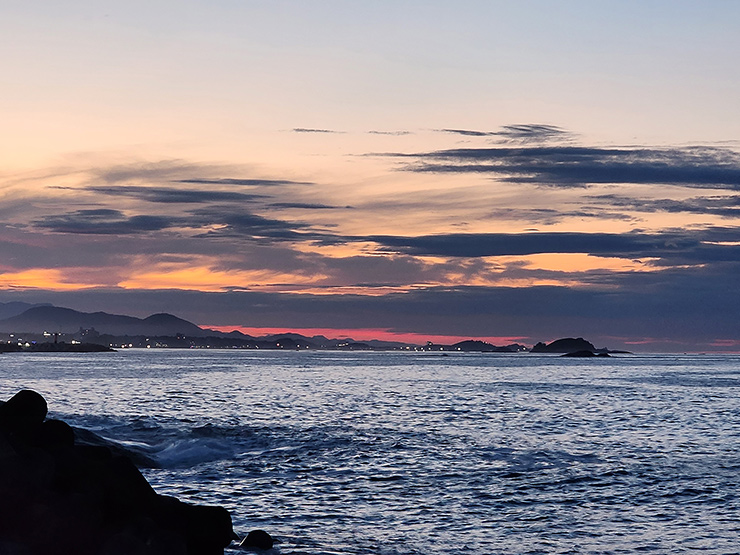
(525, 232)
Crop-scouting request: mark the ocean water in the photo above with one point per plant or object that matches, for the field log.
(420, 453)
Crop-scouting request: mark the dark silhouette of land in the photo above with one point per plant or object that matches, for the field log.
(48, 347)
(65, 320)
(475, 346)
(46, 328)
(574, 347)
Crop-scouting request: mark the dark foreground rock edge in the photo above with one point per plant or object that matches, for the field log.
(58, 496)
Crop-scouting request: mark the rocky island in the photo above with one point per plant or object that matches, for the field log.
(573, 347)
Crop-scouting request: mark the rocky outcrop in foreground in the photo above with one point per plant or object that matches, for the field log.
(58, 497)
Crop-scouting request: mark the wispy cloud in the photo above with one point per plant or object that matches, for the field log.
(533, 132)
(240, 223)
(162, 172)
(577, 166)
(152, 172)
(171, 195)
(103, 221)
(306, 206)
(468, 132)
(312, 130)
(208, 221)
(721, 205)
(676, 246)
(394, 133)
(551, 216)
(524, 133)
(243, 182)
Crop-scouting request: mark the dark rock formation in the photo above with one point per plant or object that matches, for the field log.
(565, 345)
(138, 455)
(59, 497)
(259, 539)
(574, 347)
(585, 354)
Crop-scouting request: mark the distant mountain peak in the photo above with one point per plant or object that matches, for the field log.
(66, 320)
(163, 317)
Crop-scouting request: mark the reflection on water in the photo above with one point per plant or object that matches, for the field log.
(415, 453)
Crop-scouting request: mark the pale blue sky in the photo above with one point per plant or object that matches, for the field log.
(652, 70)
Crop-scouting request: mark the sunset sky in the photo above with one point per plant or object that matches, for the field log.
(503, 170)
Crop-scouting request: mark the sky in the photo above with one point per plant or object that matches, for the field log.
(512, 171)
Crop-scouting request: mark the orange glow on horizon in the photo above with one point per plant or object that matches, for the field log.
(40, 278)
(202, 278)
(367, 334)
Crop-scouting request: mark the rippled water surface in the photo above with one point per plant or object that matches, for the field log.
(418, 453)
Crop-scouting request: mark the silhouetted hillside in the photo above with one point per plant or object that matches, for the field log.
(43, 324)
(8, 310)
(54, 319)
(474, 346)
(485, 347)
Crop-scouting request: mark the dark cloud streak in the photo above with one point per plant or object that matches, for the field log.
(571, 166)
(311, 130)
(523, 133)
(169, 195)
(395, 133)
(693, 247)
(104, 221)
(725, 206)
(215, 221)
(247, 225)
(242, 182)
(305, 205)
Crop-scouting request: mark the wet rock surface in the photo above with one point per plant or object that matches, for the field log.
(59, 496)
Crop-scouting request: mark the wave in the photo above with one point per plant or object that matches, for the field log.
(163, 443)
(188, 452)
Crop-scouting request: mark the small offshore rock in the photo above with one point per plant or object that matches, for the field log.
(585, 354)
(259, 539)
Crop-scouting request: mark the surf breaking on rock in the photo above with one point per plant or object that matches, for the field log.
(63, 496)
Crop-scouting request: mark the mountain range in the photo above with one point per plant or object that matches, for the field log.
(40, 322)
(53, 319)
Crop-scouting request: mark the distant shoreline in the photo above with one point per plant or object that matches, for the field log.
(58, 329)
(48, 347)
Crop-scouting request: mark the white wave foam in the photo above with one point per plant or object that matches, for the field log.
(191, 452)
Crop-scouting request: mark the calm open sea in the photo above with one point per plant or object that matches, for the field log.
(419, 453)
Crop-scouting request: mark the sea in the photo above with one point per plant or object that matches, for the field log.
(424, 453)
